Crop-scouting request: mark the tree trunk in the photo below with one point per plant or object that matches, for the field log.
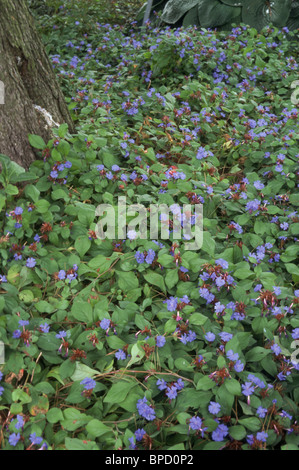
(28, 83)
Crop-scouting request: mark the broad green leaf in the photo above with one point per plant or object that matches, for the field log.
(119, 391)
(37, 141)
(155, 279)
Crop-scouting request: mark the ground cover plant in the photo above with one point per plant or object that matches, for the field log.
(138, 343)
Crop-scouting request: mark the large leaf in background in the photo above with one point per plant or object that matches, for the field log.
(293, 23)
(294, 9)
(156, 6)
(175, 9)
(213, 13)
(191, 18)
(235, 3)
(260, 13)
(228, 26)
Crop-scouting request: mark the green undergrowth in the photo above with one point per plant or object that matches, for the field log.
(145, 343)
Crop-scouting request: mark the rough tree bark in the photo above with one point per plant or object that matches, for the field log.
(29, 81)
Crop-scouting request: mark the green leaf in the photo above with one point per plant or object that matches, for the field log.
(252, 423)
(82, 371)
(166, 260)
(42, 206)
(175, 9)
(101, 263)
(205, 383)
(32, 192)
(171, 278)
(82, 245)
(44, 307)
(197, 319)
(155, 279)
(213, 13)
(82, 311)
(127, 280)
(237, 432)
(26, 296)
(182, 364)
(96, 428)
(256, 354)
(257, 14)
(67, 368)
(48, 342)
(233, 386)
(243, 273)
(119, 391)
(292, 268)
(37, 142)
(78, 444)
(54, 415)
(137, 353)
(62, 130)
(11, 190)
(191, 18)
(208, 244)
(21, 396)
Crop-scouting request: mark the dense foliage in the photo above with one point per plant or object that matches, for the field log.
(132, 343)
(224, 13)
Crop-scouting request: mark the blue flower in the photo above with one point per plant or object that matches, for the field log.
(161, 384)
(222, 262)
(220, 433)
(232, 356)
(88, 383)
(225, 337)
(105, 323)
(239, 366)
(18, 211)
(160, 341)
(139, 433)
(247, 389)
(214, 407)
(179, 384)
(258, 185)
(61, 334)
(195, 423)
(172, 303)
(14, 439)
(44, 327)
(276, 349)
(210, 337)
(150, 256)
(145, 410)
(61, 275)
(30, 263)
(132, 443)
(261, 412)
(34, 439)
(253, 206)
(121, 355)
(261, 436)
(171, 392)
